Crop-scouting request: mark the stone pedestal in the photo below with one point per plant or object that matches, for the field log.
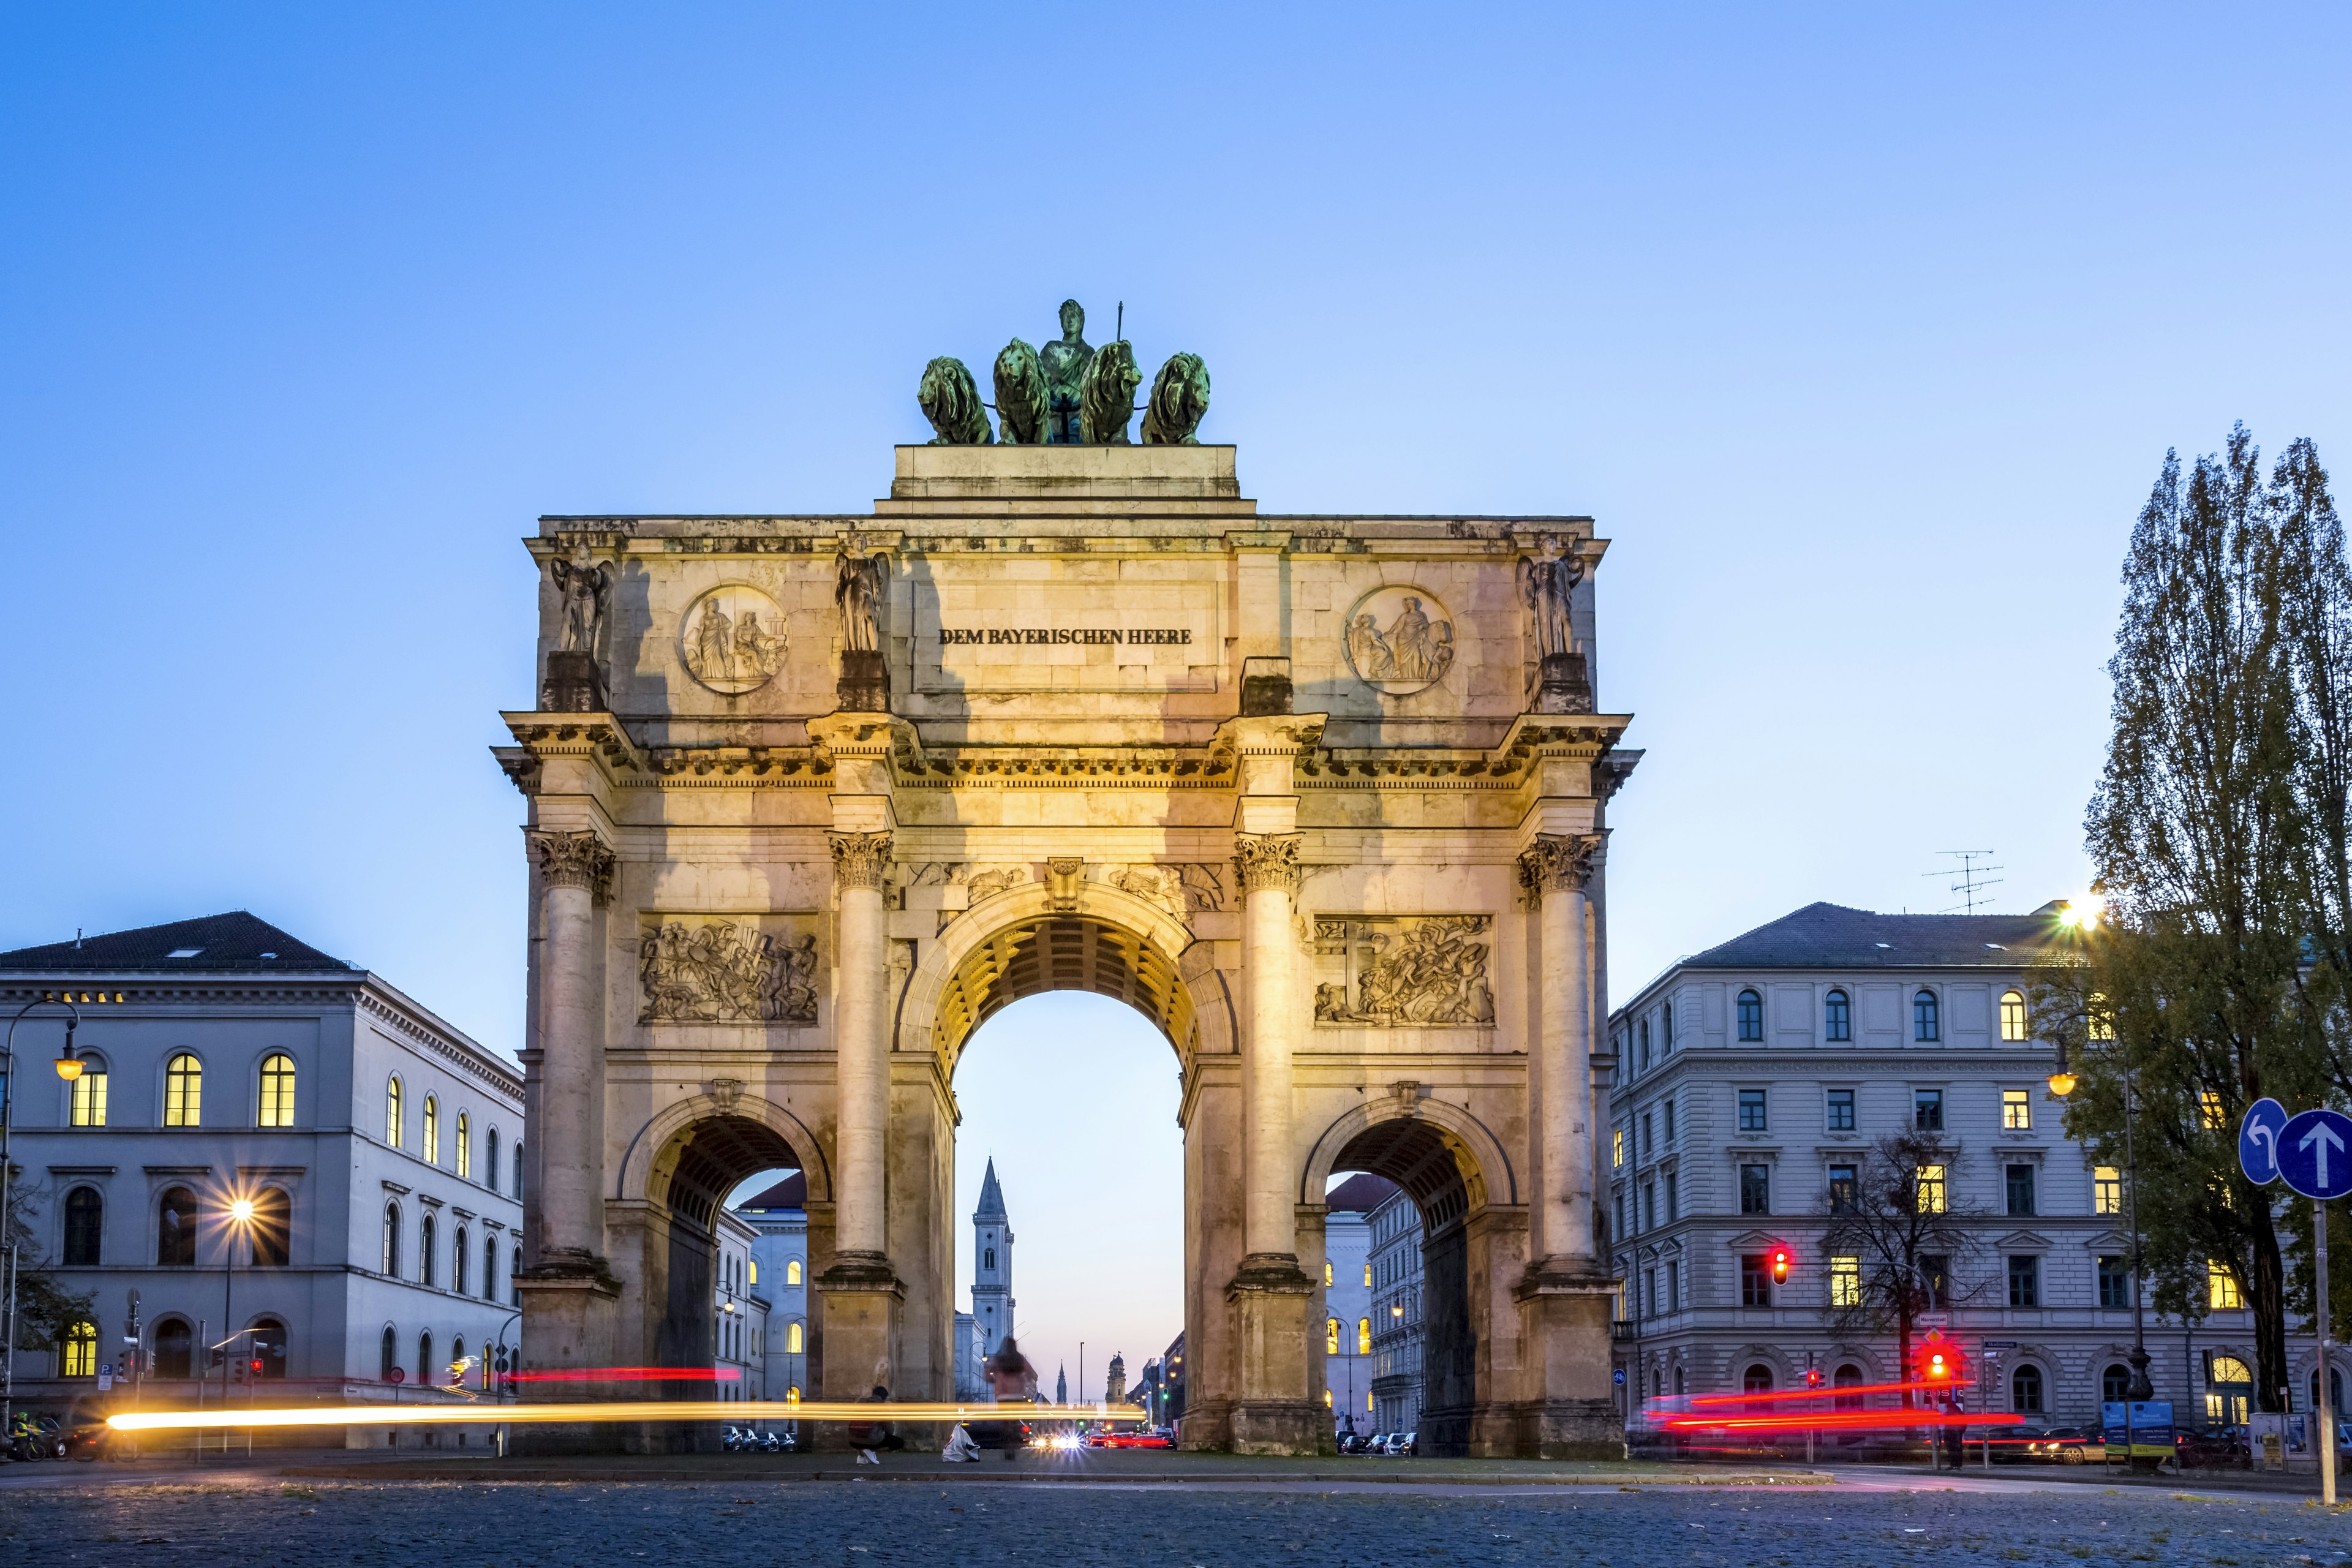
(573, 685)
(1562, 685)
(861, 1295)
(571, 1307)
(1266, 687)
(865, 685)
(1566, 1411)
(1277, 1413)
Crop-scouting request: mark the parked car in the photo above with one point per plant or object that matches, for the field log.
(1404, 1446)
(2009, 1445)
(2069, 1445)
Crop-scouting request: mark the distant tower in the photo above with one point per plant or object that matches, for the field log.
(1061, 1383)
(1115, 1384)
(992, 1273)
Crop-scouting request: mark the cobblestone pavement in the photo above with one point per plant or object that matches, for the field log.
(260, 1518)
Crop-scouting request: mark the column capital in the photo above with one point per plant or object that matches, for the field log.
(859, 859)
(574, 860)
(1558, 862)
(1266, 860)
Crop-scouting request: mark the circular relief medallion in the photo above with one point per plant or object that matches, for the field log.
(1400, 639)
(732, 640)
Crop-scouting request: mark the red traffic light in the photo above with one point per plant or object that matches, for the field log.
(1780, 1261)
(1812, 1378)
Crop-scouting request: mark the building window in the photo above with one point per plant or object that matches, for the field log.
(432, 1130)
(1666, 1014)
(2115, 1284)
(793, 1271)
(175, 1229)
(269, 1348)
(1643, 1034)
(2025, 1390)
(1837, 1017)
(1929, 1180)
(176, 1348)
(1331, 1336)
(1845, 1190)
(1649, 1292)
(425, 1238)
(1674, 1285)
(272, 1230)
(1847, 1376)
(1757, 1382)
(1928, 1110)
(391, 1112)
(792, 1338)
(2024, 1280)
(78, 1347)
(276, 1090)
(2229, 1387)
(2220, 1287)
(988, 1258)
(1937, 1270)
(2016, 1110)
(465, 1147)
(457, 1258)
(490, 1268)
(2114, 1384)
(1751, 1017)
(1754, 1189)
(2012, 1025)
(490, 1160)
(514, 1280)
(1924, 1024)
(1363, 1336)
(1327, 1272)
(2106, 1190)
(183, 1090)
(2019, 1181)
(85, 1221)
(424, 1356)
(1846, 1281)
(1667, 1107)
(1649, 1146)
(1755, 1280)
(89, 1097)
(1841, 1110)
(391, 1240)
(1617, 1148)
(2209, 1105)
(1674, 1206)
(518, 1173)
(1751, 1111)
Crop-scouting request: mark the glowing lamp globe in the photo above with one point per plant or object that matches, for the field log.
(2061, 1083)
(241, 1210)
(69, 1066)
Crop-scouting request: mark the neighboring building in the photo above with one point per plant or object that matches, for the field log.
(1115, 1379)
(1394, 1227)
(1348, 1323)
(991, 1264)
(1171, 1382)
(776, 1272)
(970, 1358)
(1150, 1392)
(1748, 1081)
(741, 1314)
(224, 1060)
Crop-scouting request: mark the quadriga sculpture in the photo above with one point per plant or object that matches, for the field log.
(951, 401)
(1020, 395)
(1106, 397)
(1180, 397)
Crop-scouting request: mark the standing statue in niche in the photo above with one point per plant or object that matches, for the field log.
(1021, 399)
(1546, 581)
(1107, 401)
(1180, 397)
(857, 592)
(586, 588)
(951, 401)
(1064, 361)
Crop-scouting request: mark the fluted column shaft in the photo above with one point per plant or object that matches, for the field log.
(1268, 868)
(860, 1042)
(575, 871)
(1554, 870)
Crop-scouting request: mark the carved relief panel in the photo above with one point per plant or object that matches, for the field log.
(1404, 970)
(727, 969)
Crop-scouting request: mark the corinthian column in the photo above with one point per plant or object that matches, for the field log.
(1268, 865)
(575, 871)
(1553, 869)
(861, 1047)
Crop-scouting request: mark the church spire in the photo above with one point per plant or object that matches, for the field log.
(992, 1196)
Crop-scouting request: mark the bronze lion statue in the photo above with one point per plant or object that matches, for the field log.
(1106, 397)
(951, 401)
(1020, 395)
(1180, 395)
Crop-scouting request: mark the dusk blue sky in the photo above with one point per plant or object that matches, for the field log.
(1862, 331)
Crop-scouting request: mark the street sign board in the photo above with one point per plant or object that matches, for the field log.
(2001, 1345)
(2258, 1141)
(2314, 1153)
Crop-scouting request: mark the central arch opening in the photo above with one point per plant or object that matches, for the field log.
(1063, 952)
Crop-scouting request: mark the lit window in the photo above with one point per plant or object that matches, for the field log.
(1846, 1281)
(1617, 1148)
(2013, 1016)
(1331, 1336)
(1367, 1273)
(1327, 1399)
(432, 1130)
(792, 1344)
(79, 1347)
(183, 1091)
(391, 1112)
(1924, 1022)
(2209, 1105)
(1837, 1016)
(1929, 1180)
(1363, 1336)
(465, 1146)
(793, 1271)
(2016, 1110)
(2220, 1288)
(1751, 1017)
(276, 1090)
(754, 1263)
(1327, 1272)
(89, 1098)
(2106, 1190)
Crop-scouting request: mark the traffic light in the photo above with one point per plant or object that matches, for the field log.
(1780, 1261)
(1812, 1378)
(1936, 1359)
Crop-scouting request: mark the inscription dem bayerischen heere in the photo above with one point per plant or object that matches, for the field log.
(1126, 637)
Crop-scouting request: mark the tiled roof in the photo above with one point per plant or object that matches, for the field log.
(1360, 1193)
(1830, 936)
(791, 1193)
(235, 941)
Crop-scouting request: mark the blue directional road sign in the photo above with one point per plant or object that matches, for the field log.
(2258, 1141)
(2314, 1153)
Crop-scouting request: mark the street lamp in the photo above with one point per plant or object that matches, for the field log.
(240, 1218)
(68, 1068)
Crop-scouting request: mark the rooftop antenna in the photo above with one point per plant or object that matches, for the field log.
(1973, 882)
(1122, 329)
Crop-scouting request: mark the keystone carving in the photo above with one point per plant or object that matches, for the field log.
(1062, 875)
(1266, 860)
(575, 860)
(1557, 862)
(860, 860)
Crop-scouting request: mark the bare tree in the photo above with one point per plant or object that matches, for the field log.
(1908, 1236)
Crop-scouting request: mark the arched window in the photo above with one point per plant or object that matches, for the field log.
(391, 1112)
(388, 1368)
(1751, 1017)
(2335, 1389)
(424, 1228)
(85, 1222)
(272, 1228)
(176, 1346)
(1837, 1017)
(518, 1171)
(755, 1272)
(183, 1090)
(1642, 1033)
(1757, 1380)
(457, 1361)
(2114, 1384)
(793, 1271)
(988, 1258)
(2025, 1390)
(2229, 1391)
(1363, 1336)
(176, 1229)
(490, 1160)
(90, 1094)
(276, 1090)
(465, 1147)
(78, 1350)
(424, 1357)
(490, 1268)
(1331, 1336)
(392, 1240)
(432, 1130)
(1847, 1376)
(792, 1338)
(1924, 1024)
(514, 1280)
(270, 1347)
(2012, 1015)
(459, 1259)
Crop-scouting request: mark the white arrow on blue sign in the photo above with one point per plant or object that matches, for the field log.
(2314, 1153)
(2258, 1141)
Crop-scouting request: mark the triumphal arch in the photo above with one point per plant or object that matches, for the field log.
(1324, 797)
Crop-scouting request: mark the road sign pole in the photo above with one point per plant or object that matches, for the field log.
(2326, 1415)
